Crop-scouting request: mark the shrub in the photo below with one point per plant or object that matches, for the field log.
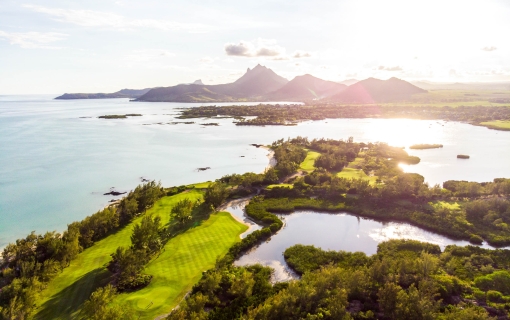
(494, 296)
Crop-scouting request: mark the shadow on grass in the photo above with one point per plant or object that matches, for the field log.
(175, 228)
(66, 303)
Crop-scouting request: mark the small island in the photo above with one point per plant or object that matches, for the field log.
(119, 116)
(423, 146)
(462, 156)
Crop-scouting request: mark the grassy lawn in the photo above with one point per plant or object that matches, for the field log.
(281, 185)
(201, 185)
(447, 205)
(181, 264)
(65, 294)
(498, 125)
(309, 163)
(352, 171)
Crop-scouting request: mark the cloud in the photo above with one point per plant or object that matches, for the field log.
(489, 49)
(258, 48)
(301, 54)
(90, 18)
(383, 68)
(243, 49)
(33, 40)
(265, 48)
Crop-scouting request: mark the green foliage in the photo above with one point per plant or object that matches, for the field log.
(216, 194)
(182, 210)
(146, 234)
(303, 258)
(127, 264)
(100, 307)
(396, 245)
(499, 281)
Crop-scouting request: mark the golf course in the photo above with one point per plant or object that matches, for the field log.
(179, 265)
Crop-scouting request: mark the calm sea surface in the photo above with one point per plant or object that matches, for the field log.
(57, 158)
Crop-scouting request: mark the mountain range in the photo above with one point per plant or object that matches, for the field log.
(263, 84)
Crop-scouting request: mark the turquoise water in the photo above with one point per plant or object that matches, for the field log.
(56, 165)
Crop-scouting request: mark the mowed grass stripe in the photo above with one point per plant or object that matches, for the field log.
(66, 293)
(181, 264)
(309, 163)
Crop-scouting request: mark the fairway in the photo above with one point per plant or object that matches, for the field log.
(65, 294)
(281, 185)
(309, 163)
(181, 264)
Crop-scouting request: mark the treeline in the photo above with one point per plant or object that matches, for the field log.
(405, 280)
(29, 263)
(499, 186)
(266, 114)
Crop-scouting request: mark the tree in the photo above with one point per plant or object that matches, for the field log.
(128, 208)
(182, 211)
(216, 194)
(99, 306)
(388, 298)
(146, 234)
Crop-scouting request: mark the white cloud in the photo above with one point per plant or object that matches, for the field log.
(489, 48)
(33, 40)
(301, 54)
(90, 18)
(264, 48)
(258, 48)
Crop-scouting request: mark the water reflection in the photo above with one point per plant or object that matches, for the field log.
(236, 208)
(333, 232)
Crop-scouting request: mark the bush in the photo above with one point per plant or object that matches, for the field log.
(494, 296)
(475, 239)
(134, 283)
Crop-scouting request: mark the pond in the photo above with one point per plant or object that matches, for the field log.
(341, 231)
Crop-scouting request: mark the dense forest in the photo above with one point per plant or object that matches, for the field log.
(266, 114)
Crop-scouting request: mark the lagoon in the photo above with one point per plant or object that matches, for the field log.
(341, 231)
(57, 158)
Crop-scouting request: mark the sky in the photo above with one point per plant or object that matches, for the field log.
(105, 45)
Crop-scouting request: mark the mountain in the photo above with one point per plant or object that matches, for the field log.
(349, 82)
(256, 82)
(124, 93)
(373, 90)
(186, 93)
(199, 82)
(306, 87)
(253, 85)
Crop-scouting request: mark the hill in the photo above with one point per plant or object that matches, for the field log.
(306, 87)
(186, 93)
(252, 85)
(373, 90)
(124, 93)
